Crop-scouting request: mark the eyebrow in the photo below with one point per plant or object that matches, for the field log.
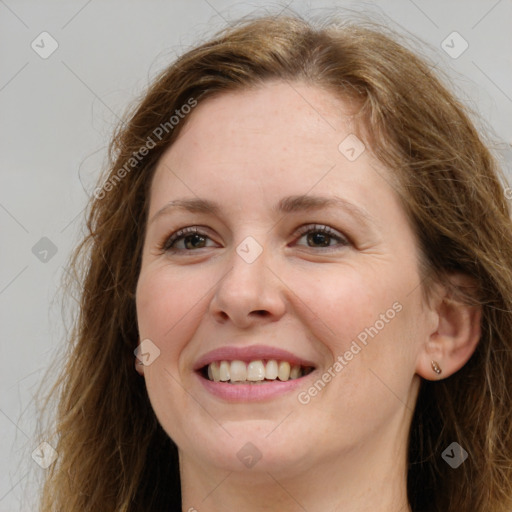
(289, 204)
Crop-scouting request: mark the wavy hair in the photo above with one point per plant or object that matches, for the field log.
(113, 454)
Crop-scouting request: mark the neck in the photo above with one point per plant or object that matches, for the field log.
(361, 481)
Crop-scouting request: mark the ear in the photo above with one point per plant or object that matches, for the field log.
(455, 334)
(139, 368)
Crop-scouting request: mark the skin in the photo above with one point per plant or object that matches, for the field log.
(346, 448)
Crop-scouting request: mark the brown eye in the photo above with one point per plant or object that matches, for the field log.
(320, 239)
(322, 236)
(186, 239)
(194, 241)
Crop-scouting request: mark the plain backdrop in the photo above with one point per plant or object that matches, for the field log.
(57, 113)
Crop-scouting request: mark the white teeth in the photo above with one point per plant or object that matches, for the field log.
(255, 371)
(284, 370)
(224, 371)
(271, 370)
(238, 371)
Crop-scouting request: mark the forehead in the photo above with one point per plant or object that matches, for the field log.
(287, 134)
(276, 112)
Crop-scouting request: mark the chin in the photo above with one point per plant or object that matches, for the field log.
(250, 448)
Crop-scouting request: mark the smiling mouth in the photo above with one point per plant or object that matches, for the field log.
(254, 372)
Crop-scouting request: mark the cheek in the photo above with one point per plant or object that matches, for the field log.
(367, 326)
(168, 308)
(340, 305)
(168, 312)
(371, 322)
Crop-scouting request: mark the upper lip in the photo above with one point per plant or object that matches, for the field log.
(248, 354)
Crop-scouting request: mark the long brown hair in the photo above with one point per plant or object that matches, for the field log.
(113, 454)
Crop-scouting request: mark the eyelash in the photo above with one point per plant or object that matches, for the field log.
(165, 245)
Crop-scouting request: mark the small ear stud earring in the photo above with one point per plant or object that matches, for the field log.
(139, 362)
(436, 367)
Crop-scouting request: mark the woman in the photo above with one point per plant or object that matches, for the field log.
(296, 291)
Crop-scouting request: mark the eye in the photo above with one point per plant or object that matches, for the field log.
(192, 238)
(321, 236)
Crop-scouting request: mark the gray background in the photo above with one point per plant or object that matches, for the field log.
(57, 115)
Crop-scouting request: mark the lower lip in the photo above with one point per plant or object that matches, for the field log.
(251, 392)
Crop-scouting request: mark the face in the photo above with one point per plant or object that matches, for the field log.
(303, 255)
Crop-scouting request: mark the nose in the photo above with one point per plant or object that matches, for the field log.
(250, 292)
